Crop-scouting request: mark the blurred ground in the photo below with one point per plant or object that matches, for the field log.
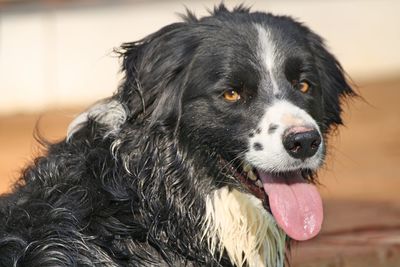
(361, 187)
(360, 184)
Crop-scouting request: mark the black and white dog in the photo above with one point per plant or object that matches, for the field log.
(205, 156)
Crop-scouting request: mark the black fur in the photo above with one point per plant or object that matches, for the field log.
(135, 196)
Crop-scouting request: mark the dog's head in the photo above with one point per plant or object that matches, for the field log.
(259, 92)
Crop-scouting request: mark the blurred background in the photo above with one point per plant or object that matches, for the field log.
(56, 57)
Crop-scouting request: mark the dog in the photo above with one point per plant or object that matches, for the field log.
(206, 155)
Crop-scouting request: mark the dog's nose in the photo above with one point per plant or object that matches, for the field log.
(301, 142)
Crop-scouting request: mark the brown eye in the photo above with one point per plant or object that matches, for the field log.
(231, 96)
(302, 86)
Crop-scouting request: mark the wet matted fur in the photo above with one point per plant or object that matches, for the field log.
(153, 176)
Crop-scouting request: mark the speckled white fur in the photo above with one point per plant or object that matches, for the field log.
(273, 156)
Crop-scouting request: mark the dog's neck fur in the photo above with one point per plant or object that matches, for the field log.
(238, 223)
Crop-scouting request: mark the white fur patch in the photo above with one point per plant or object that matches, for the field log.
(108, 112)
(238, 223)
(273, 156)
(268, 53)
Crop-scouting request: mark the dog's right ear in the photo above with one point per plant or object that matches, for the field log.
(155, 71)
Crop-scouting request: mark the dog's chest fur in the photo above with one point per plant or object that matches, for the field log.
(238, 223)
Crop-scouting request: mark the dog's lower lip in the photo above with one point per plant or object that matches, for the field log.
(251, 184)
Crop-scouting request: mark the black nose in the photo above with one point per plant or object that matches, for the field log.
(302, 144)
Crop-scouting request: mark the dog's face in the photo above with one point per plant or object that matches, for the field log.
(257, 91)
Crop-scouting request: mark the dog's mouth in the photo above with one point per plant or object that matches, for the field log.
(294, 202)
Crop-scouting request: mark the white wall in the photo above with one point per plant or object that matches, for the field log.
(58, 57)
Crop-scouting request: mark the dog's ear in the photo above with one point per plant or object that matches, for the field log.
(333, 82)
(155, 73)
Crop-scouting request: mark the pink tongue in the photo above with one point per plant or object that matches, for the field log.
(295, 204)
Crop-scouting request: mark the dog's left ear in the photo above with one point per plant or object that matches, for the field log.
(333, 82)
